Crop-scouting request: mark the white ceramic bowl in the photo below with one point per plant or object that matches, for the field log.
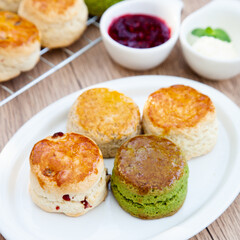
(217, 14)
(142, 59)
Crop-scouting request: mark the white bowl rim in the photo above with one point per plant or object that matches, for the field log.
(186, 44)
(173, 38)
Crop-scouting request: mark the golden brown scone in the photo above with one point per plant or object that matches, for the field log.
(9, 5)
(183, 115)
(19, 45)
(67, 174)
(59, 22)
(106, 116)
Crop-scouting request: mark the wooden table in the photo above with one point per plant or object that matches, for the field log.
(96, 66)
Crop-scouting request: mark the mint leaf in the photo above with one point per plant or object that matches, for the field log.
(209, 32)
(220, 34)
(199, 32)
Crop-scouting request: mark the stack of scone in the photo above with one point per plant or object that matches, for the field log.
(67, 174)
(52, 23)
(150, 173)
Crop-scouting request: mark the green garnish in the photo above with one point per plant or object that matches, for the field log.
(209, 32)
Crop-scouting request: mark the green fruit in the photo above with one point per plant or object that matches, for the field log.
(97, 7)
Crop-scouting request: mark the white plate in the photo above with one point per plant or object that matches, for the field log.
(213, 181)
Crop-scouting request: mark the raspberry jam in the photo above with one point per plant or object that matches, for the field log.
(139, 31)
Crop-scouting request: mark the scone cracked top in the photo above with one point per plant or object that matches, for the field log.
(183, 115)
(106, 116)
(67, 174)
(15, 31)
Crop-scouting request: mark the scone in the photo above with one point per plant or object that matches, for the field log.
(19, 45)
(59, 22)
(183, 115)
(67, 174)
(150, 176)
(106, 116)
(9, 5)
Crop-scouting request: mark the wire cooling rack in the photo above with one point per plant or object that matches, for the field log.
(71, 55)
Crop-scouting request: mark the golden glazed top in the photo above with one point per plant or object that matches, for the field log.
(107, 112)
(177, 106)
(149, 162)
(64, 158)
(16, 31)
(57, 6)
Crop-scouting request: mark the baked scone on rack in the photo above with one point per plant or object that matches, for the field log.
(67, 174)
(106, 116)
(19, 45)
(59, 22)
(183, 115)
(9, 5)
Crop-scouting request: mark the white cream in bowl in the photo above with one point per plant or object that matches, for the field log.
(223, 14)
(215, 48)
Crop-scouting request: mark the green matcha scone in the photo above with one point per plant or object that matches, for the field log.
(149, 177)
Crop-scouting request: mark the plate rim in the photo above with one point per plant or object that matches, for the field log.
(178, 228)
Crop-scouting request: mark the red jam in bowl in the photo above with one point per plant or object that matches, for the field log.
(139, 31)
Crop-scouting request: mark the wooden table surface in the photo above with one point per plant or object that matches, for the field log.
(96, 66)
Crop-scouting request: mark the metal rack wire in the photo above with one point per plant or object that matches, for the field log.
(53, 68)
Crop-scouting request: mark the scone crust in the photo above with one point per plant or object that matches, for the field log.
(9, 5)
(51, 10)
(183, 115)
(177, 106)
(52, 7)
(76, 204)
(107, 116)
(149, 178)
(19, 45)
(59, 22)
(16, 31)
(149, 163)
(66, 163)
